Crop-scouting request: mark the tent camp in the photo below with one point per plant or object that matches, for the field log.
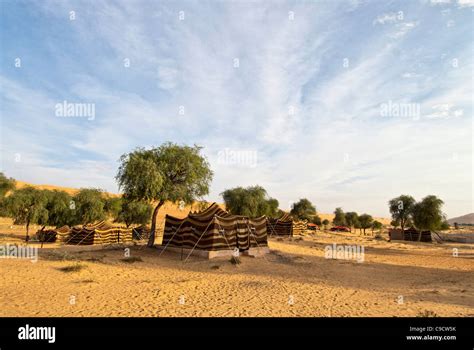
(100, 233)
(215, 232)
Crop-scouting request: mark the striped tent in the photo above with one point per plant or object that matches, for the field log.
(60, 234)
(215, 229)
(280, 227)
(100, 233)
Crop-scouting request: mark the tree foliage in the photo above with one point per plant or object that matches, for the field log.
(339, 217)
(303, 210)
(427, 214)
(27, 206)
(169, 172)
(401, 209)
(89, 206)
(135, 213)
(352, 219)
(365, 221)
(252, 201)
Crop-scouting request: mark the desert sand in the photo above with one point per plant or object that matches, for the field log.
(295, 279)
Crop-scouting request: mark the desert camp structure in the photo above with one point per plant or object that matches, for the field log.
(215, 232)
(99, 233)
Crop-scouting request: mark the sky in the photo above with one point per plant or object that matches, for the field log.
(346, 103)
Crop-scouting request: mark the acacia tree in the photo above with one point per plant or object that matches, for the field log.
(113, 206)
(88, 206)
(27, 206)
(60, 208)
(351, 219)
(339, 217)
(134, 213)
(376, 225)
(169, 172)
(303, 210)
(365, 221)
(6, 185)
(252, 201)
(427, 214)
(401, 209)
(325, 223)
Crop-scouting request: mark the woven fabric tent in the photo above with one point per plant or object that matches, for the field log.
(215, 229)
(55, 235)
(410, 234)
(100, 233)
(280, 227)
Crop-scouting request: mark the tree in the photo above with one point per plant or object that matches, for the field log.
(166, 173)
(325, 223)
(339, 218)
(365, 221)
(60, 208)
(376, 225)
(252, 201)
(401, 209)
(27, 206)
(445, 225)
(316, 220)
(135, 213)
(427, 214)
(113, 206)
(351, 219)
(88, 205)
(6, 185)
(303, 210)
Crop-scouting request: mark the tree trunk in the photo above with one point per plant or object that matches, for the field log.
(419, 235)
(27, 238)
(151, 239)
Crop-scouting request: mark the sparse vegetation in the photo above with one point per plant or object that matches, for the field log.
(73, 268)
(131, 259)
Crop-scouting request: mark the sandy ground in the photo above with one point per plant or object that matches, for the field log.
(295, 279)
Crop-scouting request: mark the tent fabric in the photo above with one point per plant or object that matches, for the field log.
(60, 234)
(410, 234)
(280, 227)
(215, 229)
(99, 233)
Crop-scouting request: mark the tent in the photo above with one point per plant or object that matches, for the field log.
(410, 234)
(280, 227)
(100, 233)
(214, 229)
(60, 234)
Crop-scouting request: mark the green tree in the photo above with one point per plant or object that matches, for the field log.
(89, 206)
(113, 206)
(135, 213)
(365, 221)
(60, 208)
(325, 223)
(315, 219)
(166, 173)
(401, 209)
(303, 210)
(252, 201)
(351, 219)
(376, 225)
(339, 218)
(427, 214)
(6, 185)
(27, 206)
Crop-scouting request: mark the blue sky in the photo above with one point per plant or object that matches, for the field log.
(299, 85)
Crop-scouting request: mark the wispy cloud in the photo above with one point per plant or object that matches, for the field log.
(299, 84)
